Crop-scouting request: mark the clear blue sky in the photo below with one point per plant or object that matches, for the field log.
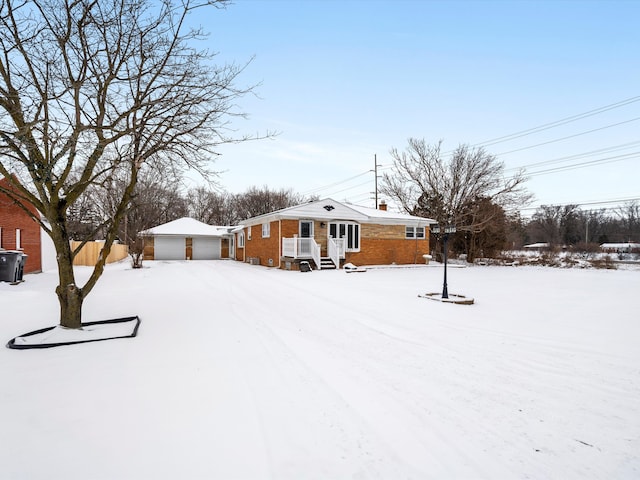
(344, 80)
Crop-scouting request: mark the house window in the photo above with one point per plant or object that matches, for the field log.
(241, 240)
(349, 231)
(18, 239)
(249, 233)
(414, 232)
(266, 230)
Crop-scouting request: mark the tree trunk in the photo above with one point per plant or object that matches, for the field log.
(70, 298)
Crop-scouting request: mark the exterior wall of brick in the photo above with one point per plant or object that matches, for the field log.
(321, 235)
(264, 249)
(379, 244)
(291, 228)
(386, 245)
(383, 232)
(13, 217)
(375, 251)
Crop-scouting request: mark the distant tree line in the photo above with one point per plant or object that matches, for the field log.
(569, 225)
(565, 226)
(159, 198)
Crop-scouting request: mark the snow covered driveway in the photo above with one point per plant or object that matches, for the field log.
(253, 373)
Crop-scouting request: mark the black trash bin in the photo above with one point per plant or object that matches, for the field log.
(10, 265)
(20, 272)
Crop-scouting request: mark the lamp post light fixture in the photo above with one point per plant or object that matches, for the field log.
(446, 230)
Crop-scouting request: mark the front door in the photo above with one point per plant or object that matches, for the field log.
(306, 231)
(306, 228)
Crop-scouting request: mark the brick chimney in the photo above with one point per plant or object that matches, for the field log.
(383, 205)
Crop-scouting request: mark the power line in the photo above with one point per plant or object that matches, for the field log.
(616, 206)
(587, 203)
(360, 197)
(591, 163)
(569, 136)
(326, 187)
(558, 123)
(613, 148)
(347, 189)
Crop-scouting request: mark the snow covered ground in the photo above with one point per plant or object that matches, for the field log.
(244, 372)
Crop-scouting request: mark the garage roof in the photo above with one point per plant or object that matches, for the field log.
(187, 227)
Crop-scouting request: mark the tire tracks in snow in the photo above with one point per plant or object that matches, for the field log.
(381, 402)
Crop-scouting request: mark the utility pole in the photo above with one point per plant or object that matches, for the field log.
(586, 233)
(375, 172)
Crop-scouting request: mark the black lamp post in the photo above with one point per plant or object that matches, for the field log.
(447, 230)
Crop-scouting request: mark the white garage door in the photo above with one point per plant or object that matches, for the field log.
(169, 248)
(206, 248)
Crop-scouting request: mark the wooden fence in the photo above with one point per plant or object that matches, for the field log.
(89, 254)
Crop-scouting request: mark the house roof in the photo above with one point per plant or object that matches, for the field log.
(536, 245)
(187, 227)
(620, 245)
(329, 210)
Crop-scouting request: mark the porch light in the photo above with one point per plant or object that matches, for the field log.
(449, 229)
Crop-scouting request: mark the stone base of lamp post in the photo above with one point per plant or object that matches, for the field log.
(452, 298)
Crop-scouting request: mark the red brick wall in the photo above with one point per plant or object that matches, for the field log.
(386, 244)
(379, 244)
(263, 248)
(13, 217)
(290, 228)
(387, 251)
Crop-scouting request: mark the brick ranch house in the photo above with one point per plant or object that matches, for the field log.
(328, 234)
(19, 231)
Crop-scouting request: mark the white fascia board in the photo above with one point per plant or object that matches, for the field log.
(410, 221)
(331, 210)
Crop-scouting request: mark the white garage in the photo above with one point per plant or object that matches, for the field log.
(169, 248)
(186, 239)
(206, 248)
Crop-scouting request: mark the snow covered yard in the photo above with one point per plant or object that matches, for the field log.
(243, 372)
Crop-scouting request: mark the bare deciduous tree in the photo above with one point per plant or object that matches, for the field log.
(258, 201)
(553, 224)
(92, 91)
(422, 179)
(629, 215)
(568, 225)
(425, 183)
(214, 208)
